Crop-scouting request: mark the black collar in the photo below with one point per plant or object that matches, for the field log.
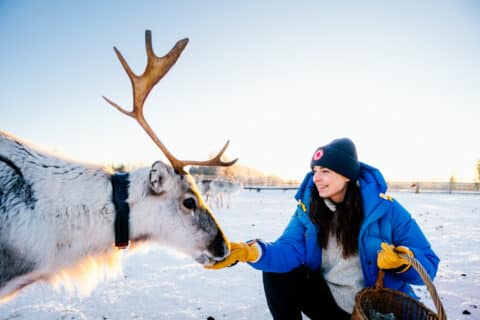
(120, 185)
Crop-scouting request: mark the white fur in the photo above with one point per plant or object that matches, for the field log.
(68, 233)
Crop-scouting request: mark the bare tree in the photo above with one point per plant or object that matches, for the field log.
(478, 170)
(477, 183)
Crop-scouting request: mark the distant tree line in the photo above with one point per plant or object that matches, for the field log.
(242, 174)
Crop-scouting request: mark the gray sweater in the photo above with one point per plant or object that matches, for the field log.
(344, 277)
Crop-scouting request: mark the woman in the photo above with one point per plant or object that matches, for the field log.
(344, 229)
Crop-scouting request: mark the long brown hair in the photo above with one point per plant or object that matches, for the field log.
(349, 217)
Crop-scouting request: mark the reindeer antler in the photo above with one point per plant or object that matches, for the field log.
(156, 68)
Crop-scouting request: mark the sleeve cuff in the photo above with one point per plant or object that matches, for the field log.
(260, 252)
(254, 243)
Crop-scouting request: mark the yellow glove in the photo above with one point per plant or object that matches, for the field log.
(388, 258)
(239, 251)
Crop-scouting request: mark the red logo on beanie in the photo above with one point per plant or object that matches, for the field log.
(318, 154)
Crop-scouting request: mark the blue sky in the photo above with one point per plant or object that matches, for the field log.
(277, 78)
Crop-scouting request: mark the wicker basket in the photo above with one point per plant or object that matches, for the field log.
(391, 304)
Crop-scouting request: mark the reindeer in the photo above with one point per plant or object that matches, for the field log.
(217, 190)
(64, 221)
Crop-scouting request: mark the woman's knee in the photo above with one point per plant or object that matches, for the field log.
(287, 281)
(282, 294)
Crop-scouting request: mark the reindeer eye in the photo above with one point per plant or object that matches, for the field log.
(189, 203)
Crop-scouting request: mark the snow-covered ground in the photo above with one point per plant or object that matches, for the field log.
(161, 284)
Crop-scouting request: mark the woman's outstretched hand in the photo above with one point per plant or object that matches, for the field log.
(239, 252)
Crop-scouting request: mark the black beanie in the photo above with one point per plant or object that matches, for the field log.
(340, 156)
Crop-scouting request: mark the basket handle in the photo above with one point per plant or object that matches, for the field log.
(428, 282)
(379, 282)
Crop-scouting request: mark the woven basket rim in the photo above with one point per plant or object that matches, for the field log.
(382, 290)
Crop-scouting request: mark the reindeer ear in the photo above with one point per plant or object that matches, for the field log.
(159, 177)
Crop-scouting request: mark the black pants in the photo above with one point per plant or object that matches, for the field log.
(290, 294)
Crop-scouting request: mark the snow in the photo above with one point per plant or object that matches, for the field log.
(162, 284)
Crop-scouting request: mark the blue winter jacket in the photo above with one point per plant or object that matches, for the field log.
(385, 220)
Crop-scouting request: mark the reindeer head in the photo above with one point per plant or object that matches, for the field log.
(171, 190)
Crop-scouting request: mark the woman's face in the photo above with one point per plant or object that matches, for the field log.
(330, 185)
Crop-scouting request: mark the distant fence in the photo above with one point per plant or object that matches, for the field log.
(260, 188)
(435, 186)
(415, 187)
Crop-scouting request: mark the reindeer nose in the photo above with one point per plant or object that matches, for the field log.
(219, 247)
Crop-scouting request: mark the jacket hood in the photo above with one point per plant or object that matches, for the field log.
(303, 192)
(371, 182)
